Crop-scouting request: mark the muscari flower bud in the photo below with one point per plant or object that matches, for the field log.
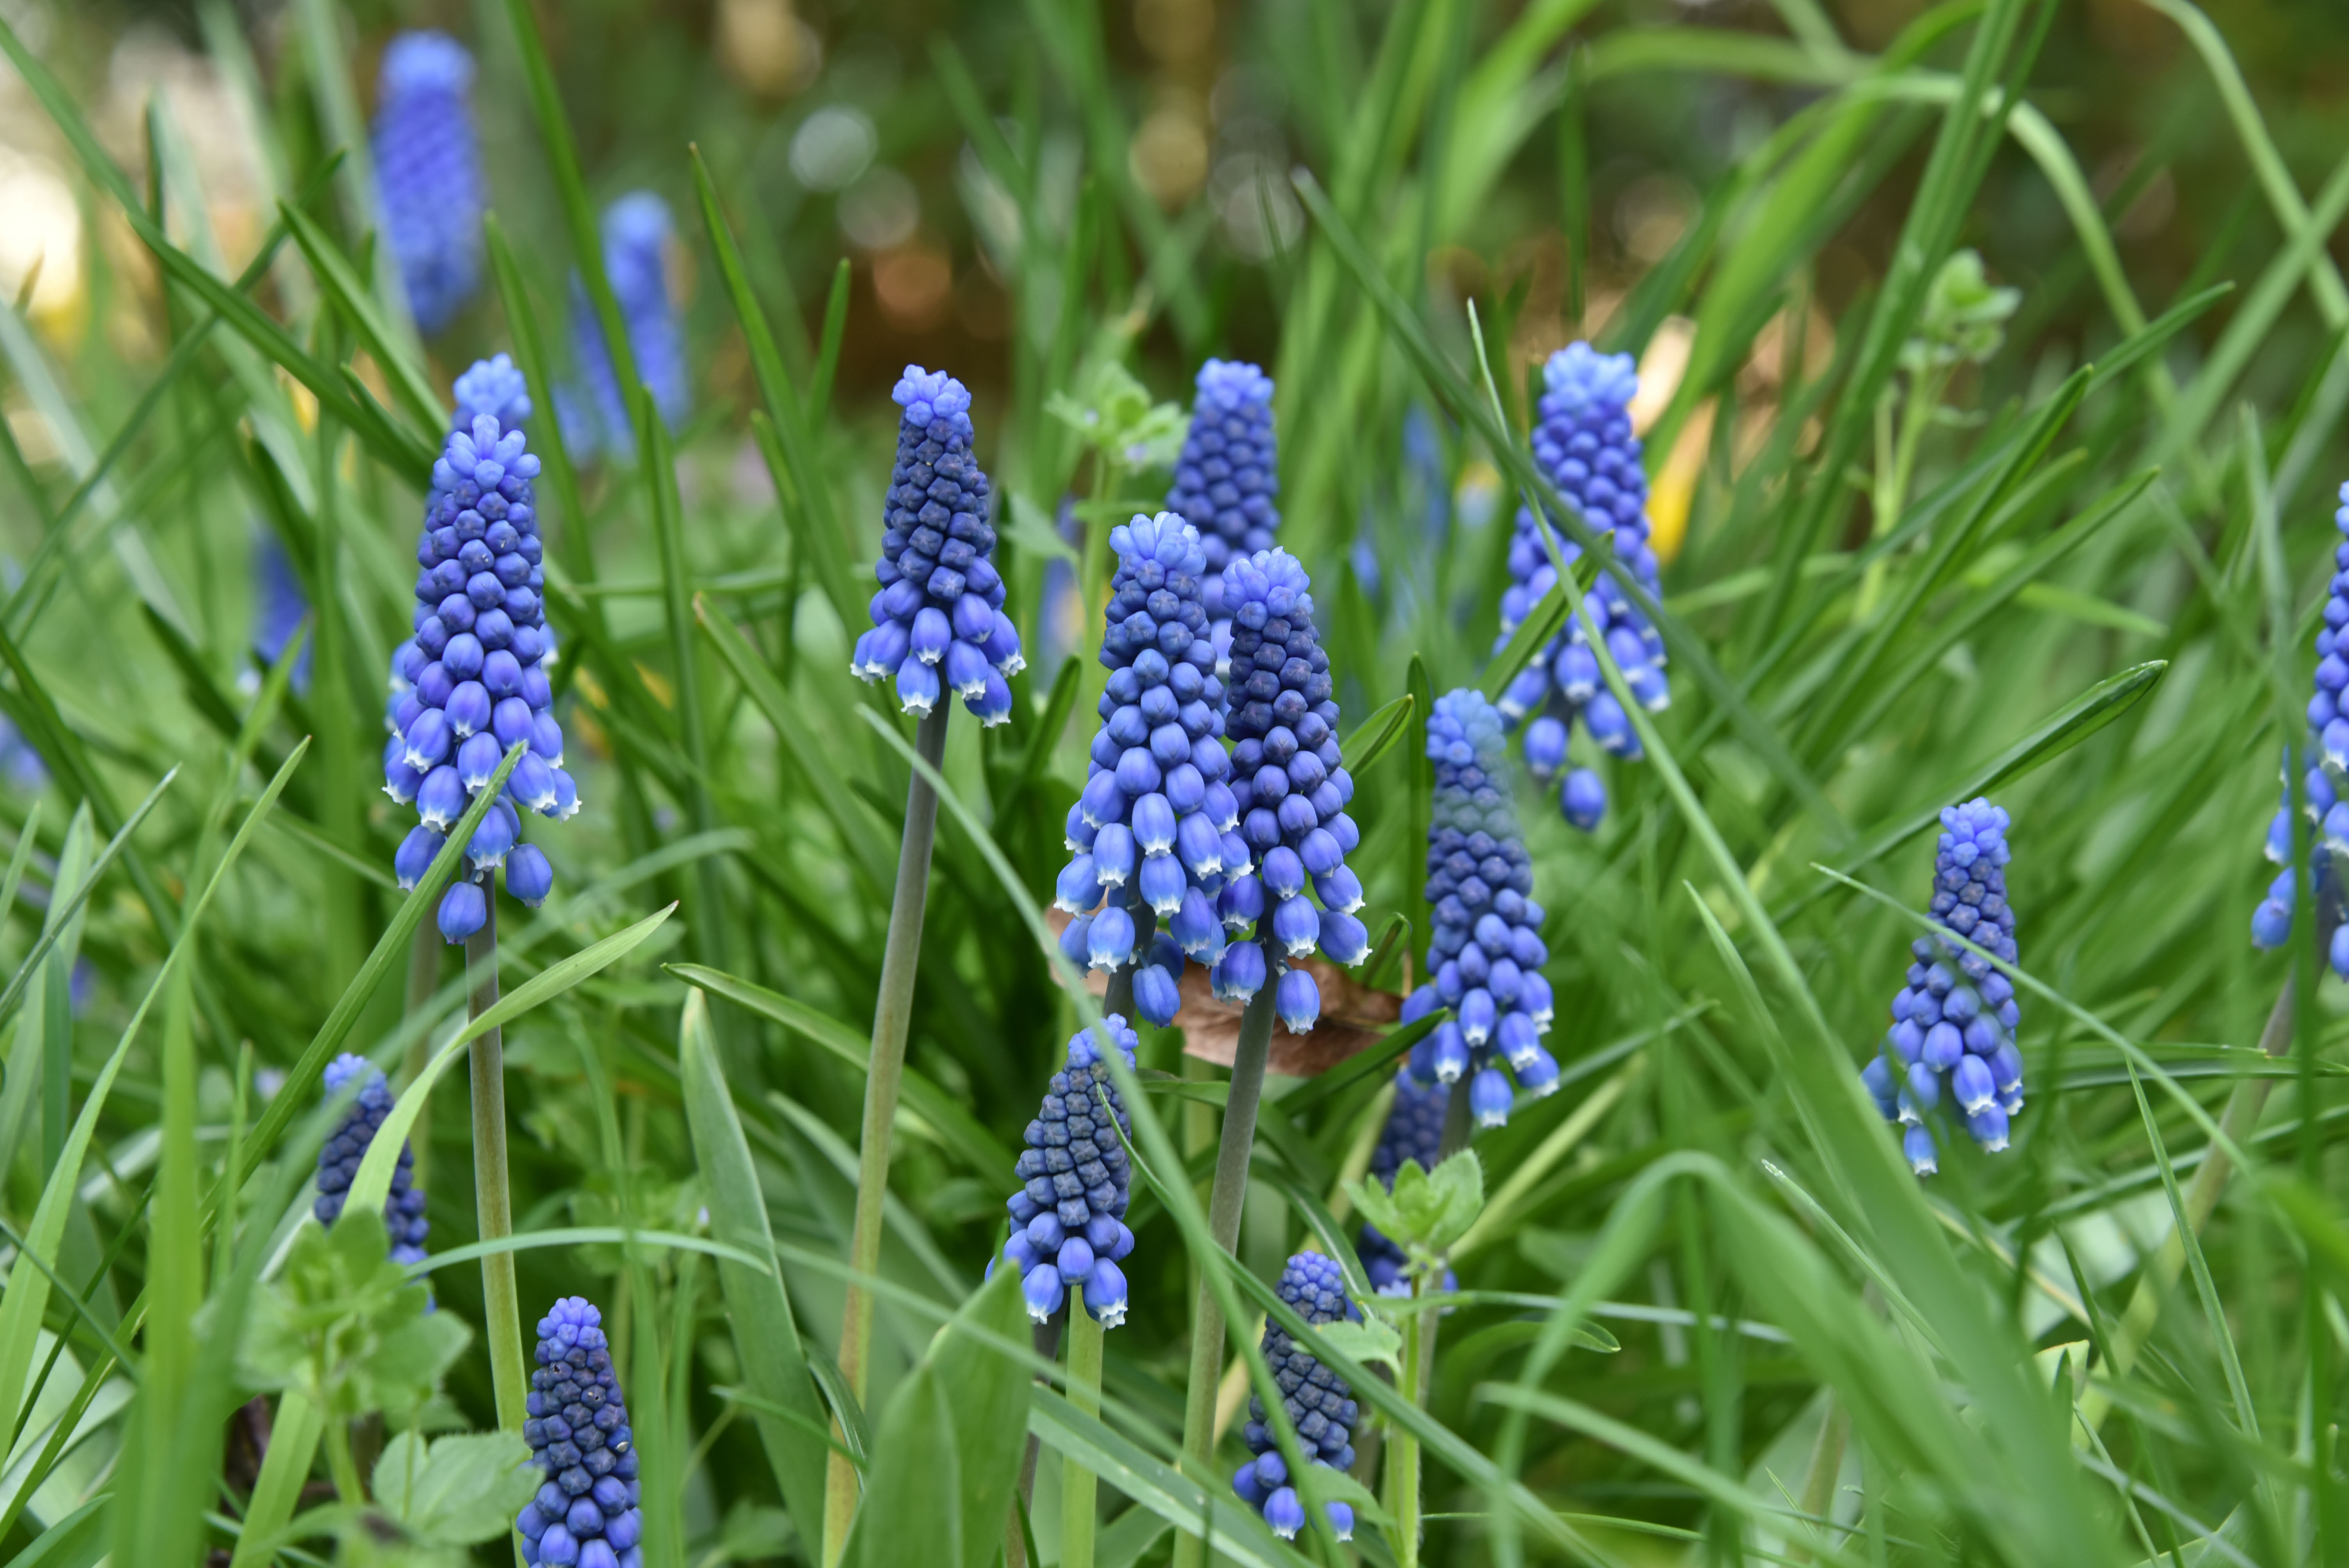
(338, 1159)
(1486, 950)
(495, 387)
(461, 700)
(635, 233)
(1289, 788)
(1953, 1023)
(428, 168)
(1319, 1404)
(585, 1514)
(1583, 441)
(1228, 479)
(941, 600)
(1068, 1219)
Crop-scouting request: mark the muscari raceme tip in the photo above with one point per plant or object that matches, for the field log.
(472, 682)
(585, 1514)
(428, 166)
(339, 1157)
(1068, 1219)
(1582, 438)
(635, 230)
(1228, 479)
(1290, 784)
(1953, 1021)
(2326, 759)
(938, 623)
(1154, 833)
(1486, 952)
(1319, 1404)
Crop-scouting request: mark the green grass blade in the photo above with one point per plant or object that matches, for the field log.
(343, 286)
(766, 1334)
(1389, 723)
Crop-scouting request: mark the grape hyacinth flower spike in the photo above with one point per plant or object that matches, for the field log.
(585, 1514)
(1228, 479)
(428, 166)
(635, 233)
(1583, 441)
(1152, 835)
(1319, 1403)
(1068, 1219)
(2326, 756)
(938, 623)
(1952, 1035)
(1292, 788)
(1414, 1130)
(1485, 954)
(339, 1161)
(472, 683)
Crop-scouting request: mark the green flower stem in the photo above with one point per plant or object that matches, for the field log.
(340, 1464)
(892, 1015)
(1402, 1449)
(1079, 1485)
(1224, 1204)
(1458, 1121)
(493, 1192)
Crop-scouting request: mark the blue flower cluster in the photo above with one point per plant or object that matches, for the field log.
(940, 605)
(428, 168)
(1152, 834)
(635, 233)
(1485, 956)
(1953, 1023)
(2328, 742)
(1414, 1130)
(1290, 784)
(1319, 1403)
(496, 387)
(278, 607)
(585, 1514)
(472, 683)
(1583, 440)
(1068, 1221)
(1227, 477)
(338, 1162)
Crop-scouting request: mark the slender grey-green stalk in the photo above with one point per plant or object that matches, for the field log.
(1079, 1487)
(1223, 1204)
(423, 980)
(493, 1192)
(892, 1015)
(1419, 1359)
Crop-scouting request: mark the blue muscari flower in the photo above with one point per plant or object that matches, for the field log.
(1953, 1037)
(2328, 743)
(1485, 954)
(1291, 788)
(19, 762)
(1227, 477)
(472, 681)
(1152, 836)
(428, 166)
(586, 1513)
(1319, 1403)
(937, 619)
(278, 607)
(495, 386)
(1068, 1219)
(1583, 440)
(338, 1162)
(1414, 1130)
(635, 231)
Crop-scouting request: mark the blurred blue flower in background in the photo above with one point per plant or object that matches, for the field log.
(427, 167)
(595, 416)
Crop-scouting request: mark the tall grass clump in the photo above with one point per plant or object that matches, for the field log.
(1541, 532)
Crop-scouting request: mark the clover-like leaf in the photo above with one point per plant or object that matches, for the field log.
(1371, 1339)
(345, 1324)
(457, 1490)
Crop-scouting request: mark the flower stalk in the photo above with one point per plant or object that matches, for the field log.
(1079, 1486)
(892, 1016)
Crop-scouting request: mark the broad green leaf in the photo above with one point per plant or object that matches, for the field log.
(766, 1334)
(912, 1515)
(987, 1392)
(348, 1326)
(1371, 1339)
(457, 1490)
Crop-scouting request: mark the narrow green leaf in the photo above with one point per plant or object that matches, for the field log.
(350, 295)
(293, 1434)
(827, 358)
(955, 1126)
(766, 1334)
(987, 1392)
(911, 1516)
(1240, 1533)
(1371, 739)
(76, 1541)
(530, 353)
(1542, 622)
(369, 1188)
